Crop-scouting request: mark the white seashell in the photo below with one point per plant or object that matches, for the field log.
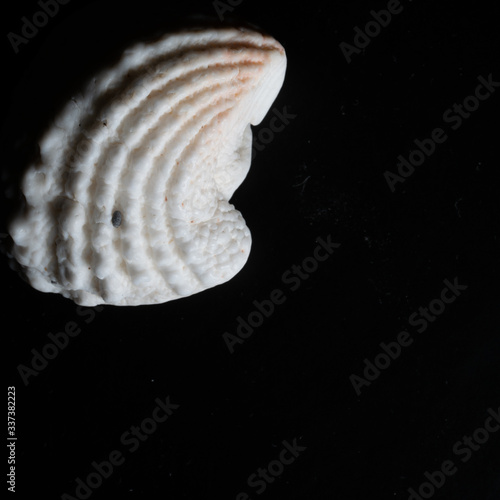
(128, 202)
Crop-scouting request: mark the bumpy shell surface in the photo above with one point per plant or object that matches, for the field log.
(128, 202)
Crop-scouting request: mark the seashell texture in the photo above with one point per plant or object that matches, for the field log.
(128, 202)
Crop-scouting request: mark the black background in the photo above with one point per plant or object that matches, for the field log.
(321, 176)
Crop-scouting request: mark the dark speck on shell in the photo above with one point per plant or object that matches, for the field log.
(116, 220)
